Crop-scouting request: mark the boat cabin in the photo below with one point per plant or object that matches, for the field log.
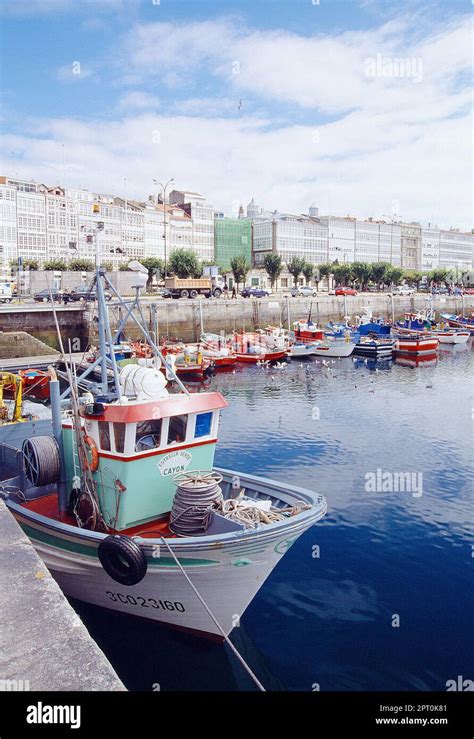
(307, 331)
(137, 447)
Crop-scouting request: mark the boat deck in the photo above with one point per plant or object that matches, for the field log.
(47, 506)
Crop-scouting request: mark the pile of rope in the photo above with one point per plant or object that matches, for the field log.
(251, 515)
(197, 495)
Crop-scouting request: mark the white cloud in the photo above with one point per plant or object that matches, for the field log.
(364, 163)
(139, 100)
(391, 138)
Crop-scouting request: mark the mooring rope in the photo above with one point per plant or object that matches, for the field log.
(244, 664)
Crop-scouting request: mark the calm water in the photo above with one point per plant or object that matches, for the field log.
(327, 620)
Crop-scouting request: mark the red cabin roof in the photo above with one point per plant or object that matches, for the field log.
(174, 405)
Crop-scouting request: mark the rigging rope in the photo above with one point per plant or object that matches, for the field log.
(244, 664)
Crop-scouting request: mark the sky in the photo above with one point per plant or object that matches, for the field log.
(361, 107)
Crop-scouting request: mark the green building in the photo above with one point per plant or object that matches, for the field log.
(232, 238)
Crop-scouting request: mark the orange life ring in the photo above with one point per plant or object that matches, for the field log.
(92, 463)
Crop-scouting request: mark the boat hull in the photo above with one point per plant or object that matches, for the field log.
(266, 357)
(416, 346)
(452, 337)
(374, 349)
(303, 350)
(335, 349)
(227, 570)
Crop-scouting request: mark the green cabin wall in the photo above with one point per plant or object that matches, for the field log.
(148, 480)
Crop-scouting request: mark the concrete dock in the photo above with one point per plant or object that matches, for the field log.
(43, 643)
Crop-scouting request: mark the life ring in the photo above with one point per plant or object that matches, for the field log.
(122, 559)
(92, 463)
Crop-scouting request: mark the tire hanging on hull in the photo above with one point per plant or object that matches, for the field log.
(122, 559)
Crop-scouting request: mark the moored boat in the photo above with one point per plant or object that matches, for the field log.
(416, 344)
(459, 321)
(454, 336)
(121, 498)
(374, 347)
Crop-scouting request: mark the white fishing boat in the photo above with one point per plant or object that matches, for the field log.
(451, 336)
(303, 349)
(120, 497)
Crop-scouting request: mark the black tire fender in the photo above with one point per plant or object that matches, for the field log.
(122, 559)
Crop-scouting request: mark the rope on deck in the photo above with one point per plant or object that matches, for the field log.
(228, 641)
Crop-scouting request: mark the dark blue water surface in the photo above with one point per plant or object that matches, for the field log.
(327, 620)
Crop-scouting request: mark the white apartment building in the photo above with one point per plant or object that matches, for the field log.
(179, 229)
(289, 236)
(350, 240)
(430, 238)
(202, 216)
(446, 248)
(410, 246)
(456, 249)
(31, 225)
(8, 232)
(62, 234)
(130, 226)
(92, 208)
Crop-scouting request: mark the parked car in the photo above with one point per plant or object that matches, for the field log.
(404, 290)
(440, 291)
(254, 292)
(469, 291)
(84, 293)
(303, 291)
(44, 296)
(345, 291)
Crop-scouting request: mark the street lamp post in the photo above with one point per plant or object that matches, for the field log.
(392, 219)
(163, 187)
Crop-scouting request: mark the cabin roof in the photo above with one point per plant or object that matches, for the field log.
(174, 405)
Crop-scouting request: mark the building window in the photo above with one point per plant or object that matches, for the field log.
(177, 429)
(148, 435)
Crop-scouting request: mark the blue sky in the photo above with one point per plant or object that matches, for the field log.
(137, 89)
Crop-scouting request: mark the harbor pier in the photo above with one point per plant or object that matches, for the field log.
(183, 318)
(44, 644)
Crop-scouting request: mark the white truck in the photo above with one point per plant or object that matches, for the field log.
(6, 295)
(191, 287)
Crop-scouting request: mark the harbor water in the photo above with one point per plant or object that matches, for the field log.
(376, 596)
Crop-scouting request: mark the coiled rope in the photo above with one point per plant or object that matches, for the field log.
(197, 495)
(41, 458)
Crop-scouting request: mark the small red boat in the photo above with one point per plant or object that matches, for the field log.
(263, 357)
(416, 344)
(35, 384)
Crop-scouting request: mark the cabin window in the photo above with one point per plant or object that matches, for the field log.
(148, 435)
(203, 425)
(177, 429)
(119, 436)
(104, 436)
